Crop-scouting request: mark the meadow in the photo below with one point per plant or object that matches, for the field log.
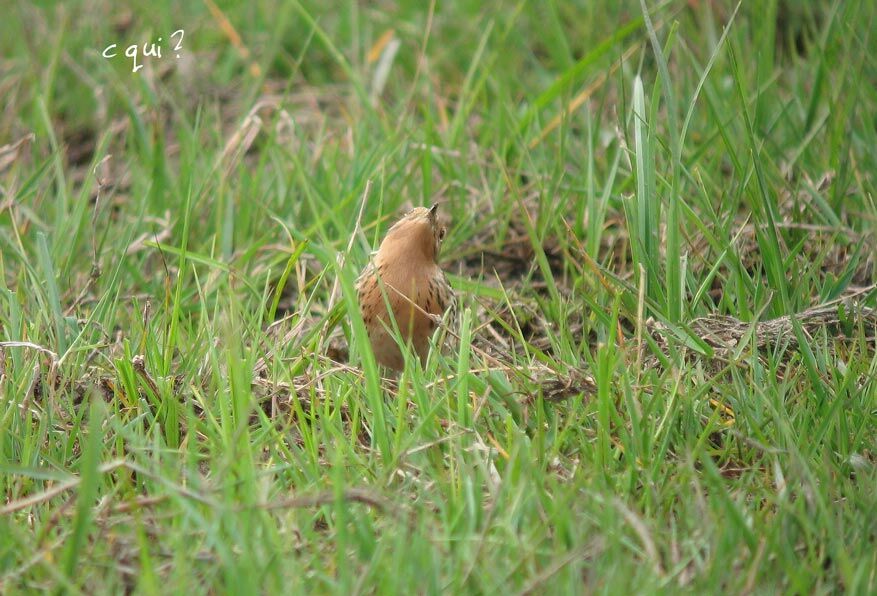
(660, 376)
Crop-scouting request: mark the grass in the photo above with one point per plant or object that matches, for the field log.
(179, 245)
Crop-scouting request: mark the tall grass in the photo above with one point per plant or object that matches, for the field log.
(177, 308)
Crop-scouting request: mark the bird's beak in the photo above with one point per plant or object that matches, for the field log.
(433, 211)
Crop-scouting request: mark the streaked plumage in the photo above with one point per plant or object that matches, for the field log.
(405, 271)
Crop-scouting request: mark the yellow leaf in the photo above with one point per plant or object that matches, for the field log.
(375, 52)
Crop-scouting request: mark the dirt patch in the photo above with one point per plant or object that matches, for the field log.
(513, 261)
(729, 337)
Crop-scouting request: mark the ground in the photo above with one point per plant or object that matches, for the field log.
(660, 374)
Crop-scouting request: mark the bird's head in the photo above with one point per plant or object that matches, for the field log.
(418, 234)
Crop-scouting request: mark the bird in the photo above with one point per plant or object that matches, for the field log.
(405, 275)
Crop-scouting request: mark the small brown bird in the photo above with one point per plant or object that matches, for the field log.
(405, 274)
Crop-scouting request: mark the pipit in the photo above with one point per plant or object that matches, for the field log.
(404, 274)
